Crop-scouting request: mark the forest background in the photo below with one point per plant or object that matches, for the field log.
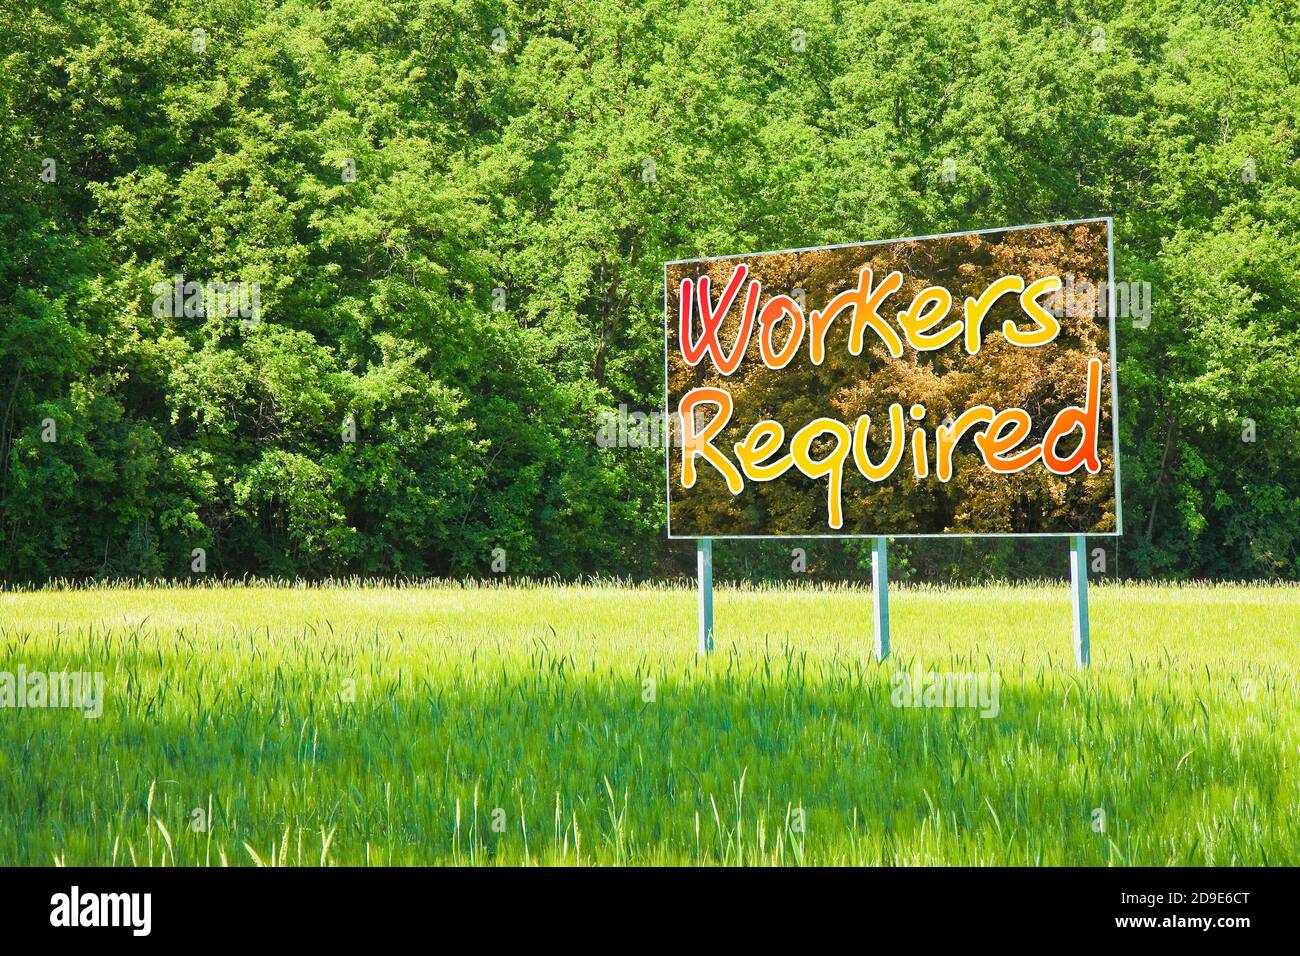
(454, 217)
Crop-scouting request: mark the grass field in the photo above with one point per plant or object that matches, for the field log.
(474, 725)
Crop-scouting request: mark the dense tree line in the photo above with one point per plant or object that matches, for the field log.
(454, 216)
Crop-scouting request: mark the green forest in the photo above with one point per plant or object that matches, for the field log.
(428, 237)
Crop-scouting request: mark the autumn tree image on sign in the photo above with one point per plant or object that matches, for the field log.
(949, 385)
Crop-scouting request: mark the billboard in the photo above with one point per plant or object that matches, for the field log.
(951, 385)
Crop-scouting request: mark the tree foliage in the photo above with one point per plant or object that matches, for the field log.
(491, 279)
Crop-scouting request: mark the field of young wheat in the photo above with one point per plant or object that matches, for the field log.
(463, 724)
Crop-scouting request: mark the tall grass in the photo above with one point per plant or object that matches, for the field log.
(548, 724)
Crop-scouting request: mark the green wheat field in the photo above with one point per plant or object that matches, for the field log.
(471, 724)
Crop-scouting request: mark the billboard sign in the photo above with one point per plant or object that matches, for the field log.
(952, 385)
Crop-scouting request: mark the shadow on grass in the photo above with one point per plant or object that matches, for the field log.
(777, 760)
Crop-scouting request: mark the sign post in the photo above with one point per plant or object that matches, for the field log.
(1079, 600)
(704, 567)
(880, 596)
